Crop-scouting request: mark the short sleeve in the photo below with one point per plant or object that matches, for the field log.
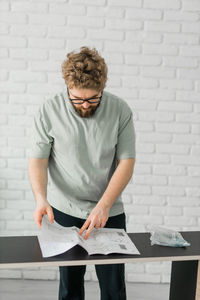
(126, 135)
(41, 141)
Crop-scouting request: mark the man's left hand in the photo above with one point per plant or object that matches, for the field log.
(97, 219)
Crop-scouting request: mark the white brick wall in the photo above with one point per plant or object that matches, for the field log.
(152, 50)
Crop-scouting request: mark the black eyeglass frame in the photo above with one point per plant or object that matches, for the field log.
(81, 101)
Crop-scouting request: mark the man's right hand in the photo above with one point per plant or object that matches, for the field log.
(43, 208)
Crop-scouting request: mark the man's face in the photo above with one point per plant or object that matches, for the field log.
(84, 108)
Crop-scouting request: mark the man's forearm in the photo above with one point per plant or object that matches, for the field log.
(37, 170)
(118, 182)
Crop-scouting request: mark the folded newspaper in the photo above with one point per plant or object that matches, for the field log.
(55, 239)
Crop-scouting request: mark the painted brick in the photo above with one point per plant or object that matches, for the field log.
(3, 53)
(153, 158)
(144, 126)
(169, 169)
(89, 2)
(109, 12)
(186, 139)
(63, 31)
(134, 81)
(183, 181)
(156, 116)
(4, 29)
(12, 64)
(44, 66)
(8, 41)
(191, 27)
(122, 47)
(30, 30)
(3, 75)
(46, 19)
(162, 4)
(136, 3)
(17, 163)
(183, 201)
(157, 72)
(181, 62)
(146, 219)
(179, 39)
(29, 54)
(136, 210)
(11, 174)
(180, 16)
(175, 106)
(188, 117)
(125, 24)
(195, 129)
(189, 74)
(105, 35)
(162, 26)
(20, 225)
(166, 211)
(12, 87)
(190, 51)
(191, 211)
(150, 180)
(176, 84)
(143, 14)
(23, 204)
(192, 5)
(143, 60)
(180, 221)
(173, 128)
(193, 192)
(67, 9)
(4, 6)
(168, 190)
(90, 22)
(46, 43)
(193, 171)
(143, 37)
(164, 50)
(155, 137)
(10, 214)
(15, 18)
(24, 76)
(23, 6)
(40, 88)
(2, 183)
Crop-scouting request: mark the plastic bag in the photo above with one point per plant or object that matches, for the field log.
(167, 237)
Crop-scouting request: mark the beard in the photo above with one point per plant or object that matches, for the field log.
(86, 113)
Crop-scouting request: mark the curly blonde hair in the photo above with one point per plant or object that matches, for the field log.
(86, 69)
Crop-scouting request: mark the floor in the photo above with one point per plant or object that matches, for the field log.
(47, 290)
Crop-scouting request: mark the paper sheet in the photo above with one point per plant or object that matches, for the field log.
(55, 239)
(110, 240)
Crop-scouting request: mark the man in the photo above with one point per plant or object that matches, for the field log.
(84, 137)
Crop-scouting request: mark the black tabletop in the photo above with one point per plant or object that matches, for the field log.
(22, 251)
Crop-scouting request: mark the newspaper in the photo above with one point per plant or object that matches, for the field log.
(55, 239)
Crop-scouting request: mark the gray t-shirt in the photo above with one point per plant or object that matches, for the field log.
(82, 152)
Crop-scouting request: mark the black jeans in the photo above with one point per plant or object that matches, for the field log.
(111, 277)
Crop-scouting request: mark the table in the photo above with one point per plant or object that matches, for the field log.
(24, 251)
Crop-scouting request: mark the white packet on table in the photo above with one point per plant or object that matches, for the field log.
(166, 237)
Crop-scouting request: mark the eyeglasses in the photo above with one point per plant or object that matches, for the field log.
(89, 100)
